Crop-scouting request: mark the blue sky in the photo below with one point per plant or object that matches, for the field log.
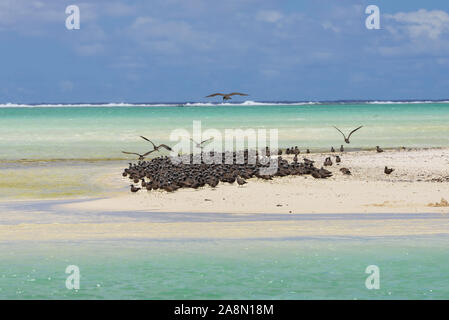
(182, 50)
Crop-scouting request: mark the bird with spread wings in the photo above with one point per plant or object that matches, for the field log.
(155, 148)
(344, 136)
(201, 144)
(226, 96)
(141, 156)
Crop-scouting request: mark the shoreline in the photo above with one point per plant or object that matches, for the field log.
(193, 227)
(320, 151)
(412, 187)
(341, 204)
(417, 169)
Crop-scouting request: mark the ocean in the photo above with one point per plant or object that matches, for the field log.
(48, 132)
(74, 151)
(409, 268)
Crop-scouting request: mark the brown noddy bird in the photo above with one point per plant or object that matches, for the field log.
(200, 145)
(141, 156)
(226, 96)
(157, 147)
(388, 170)
(344, 136)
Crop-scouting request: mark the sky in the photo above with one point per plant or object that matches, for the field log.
(183, 50)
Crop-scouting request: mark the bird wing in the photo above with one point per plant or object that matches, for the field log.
(354, 131)
(194, 141)
(131, 153)
(154, 146)
(340, 132)
(165, 146)
(215, 94)
(237, 93)
(145, 154)
(207, 140)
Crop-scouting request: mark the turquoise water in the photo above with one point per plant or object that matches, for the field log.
(410, 268)
(309, 268)
(102, 132)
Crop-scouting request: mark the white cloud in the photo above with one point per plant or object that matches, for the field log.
(416, 33)
(23, 15)
(270, 16)
(330, 26)
(90, 49)
(119, 9)
(169, 36)
(421, 23)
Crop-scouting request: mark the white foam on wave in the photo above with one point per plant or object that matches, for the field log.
(124, 104)
(202, 104)
(405, 102)
(83, 105)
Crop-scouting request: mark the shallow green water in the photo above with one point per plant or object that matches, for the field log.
(410, 268)
(103, 132)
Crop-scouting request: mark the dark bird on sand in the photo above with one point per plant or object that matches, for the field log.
(308, 151)
(316, 175)
(332, 149)
(296, 150)
(345, 171)
(321, 174)
(200, 145)
(213, 182)
(337, 159)
(378, 149)
(342, 149)
(170, 188)
(157, 147)
(328, 161)
(141, 156)
(344, 136)
(388, 170)
(308, 162)
(240, 181)
(226, 96)
(162, 173)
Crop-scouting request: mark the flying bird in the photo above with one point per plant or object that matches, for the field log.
(347, 139)
(226, 96)
(141, 156)
(157, 147)
(200, 145)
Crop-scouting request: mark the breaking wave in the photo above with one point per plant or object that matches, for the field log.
(207, 104)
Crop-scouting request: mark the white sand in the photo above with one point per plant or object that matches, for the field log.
(408, 189)
(367, 192)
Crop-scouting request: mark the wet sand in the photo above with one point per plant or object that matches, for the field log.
(366, 204)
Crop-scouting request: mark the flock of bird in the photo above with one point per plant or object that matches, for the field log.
(164, 173)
